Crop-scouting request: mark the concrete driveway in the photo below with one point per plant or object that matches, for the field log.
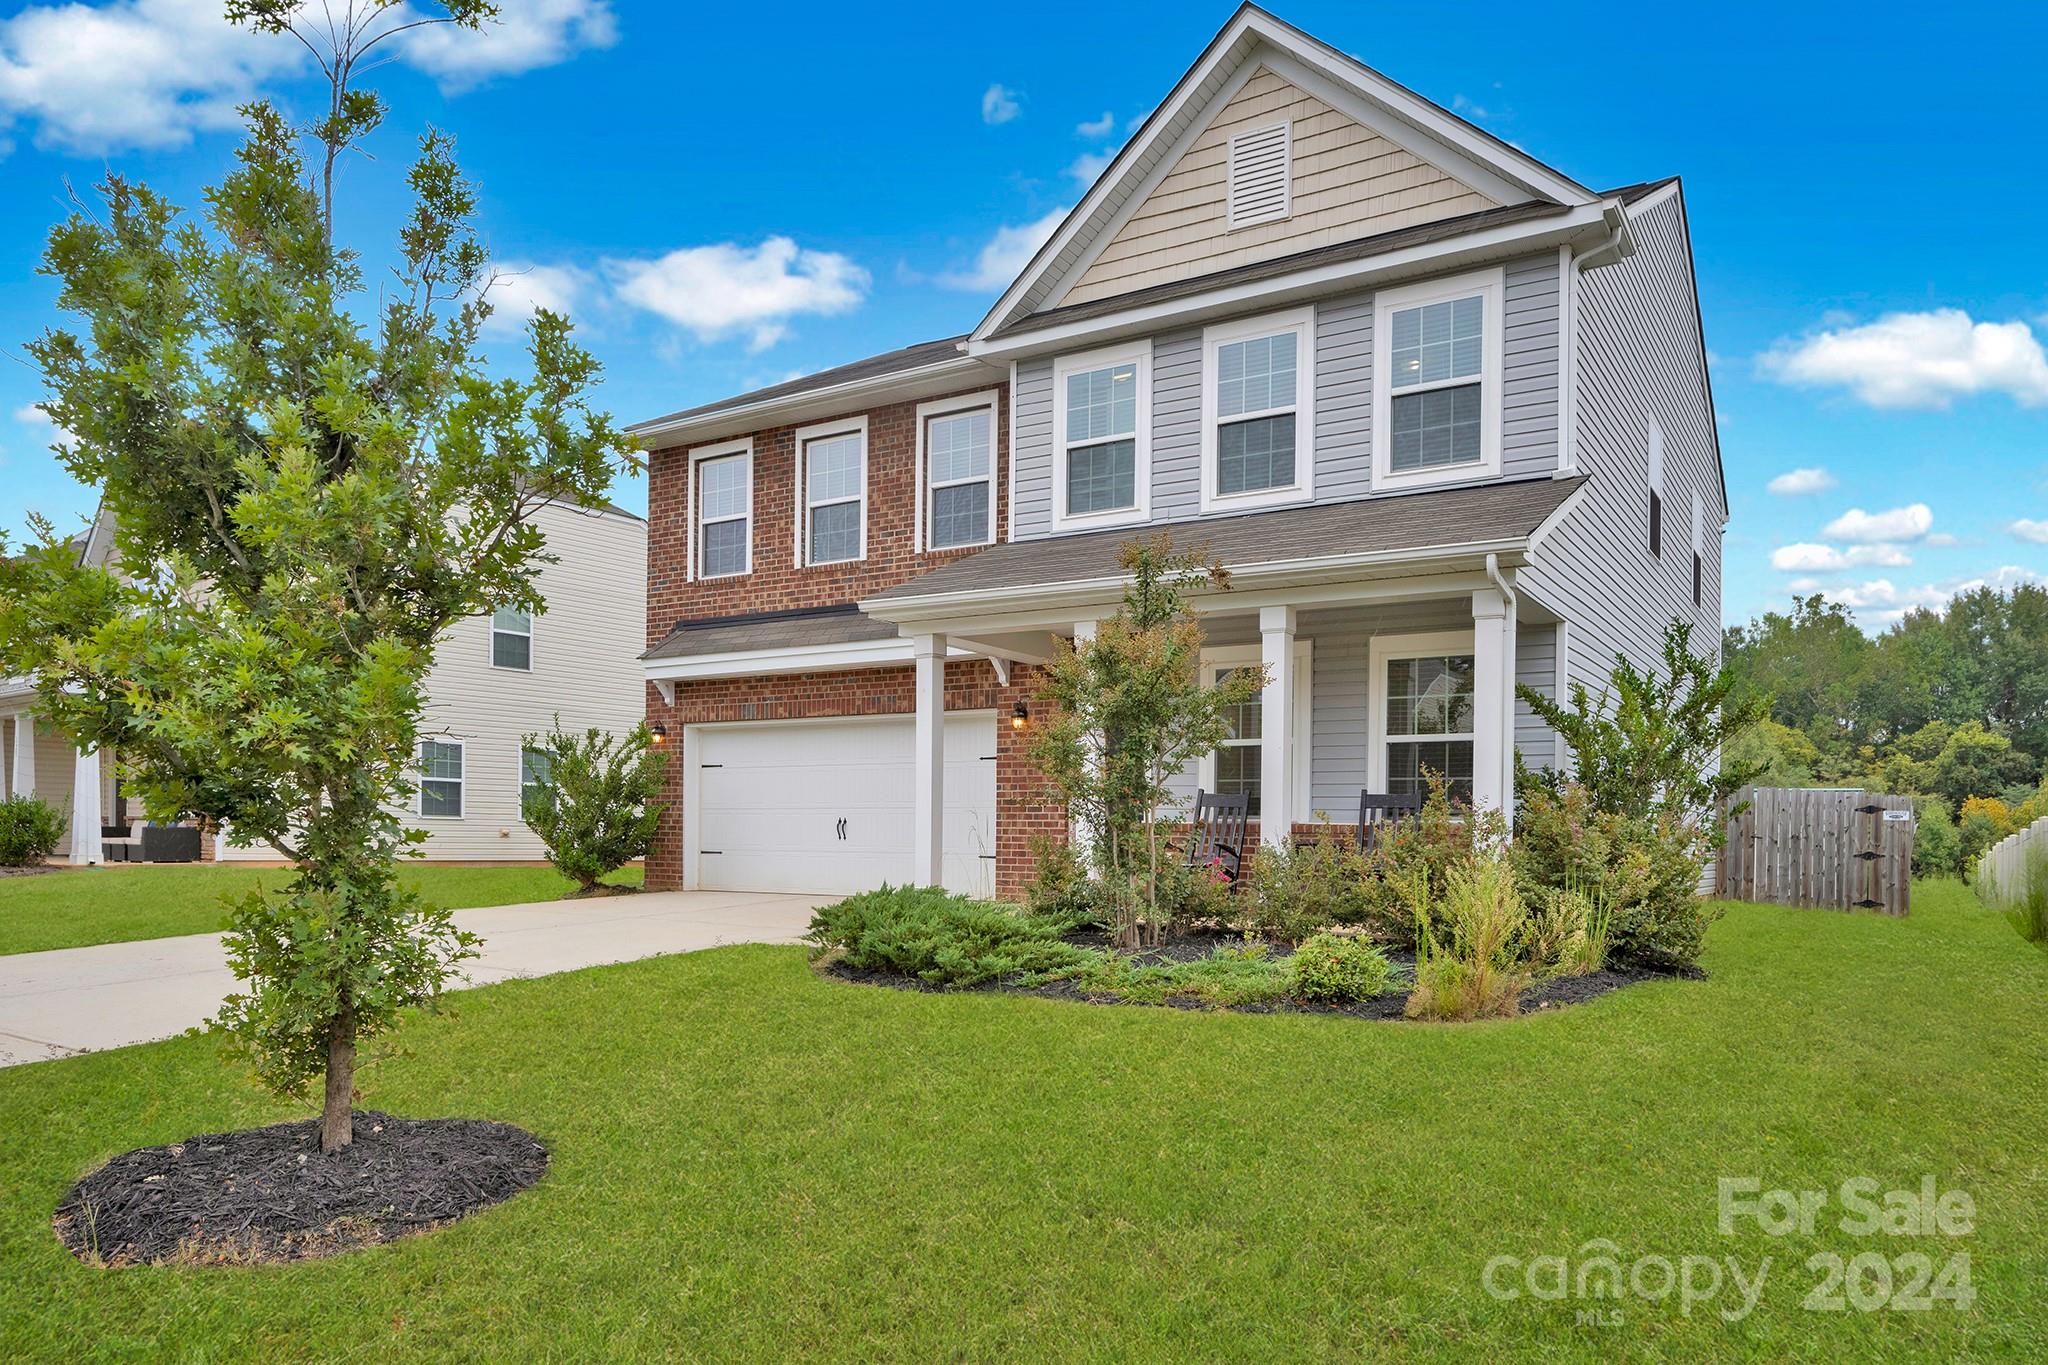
(73, 1000)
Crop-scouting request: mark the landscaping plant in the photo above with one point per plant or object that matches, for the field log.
(1644, 869)
(940, 937)
(1240, 974)
(1293, 890)
(1334, 969)
(1128, 712)
(30, 831)
(1408, 867)
(593, 803)
(310, 483)
(1468, 954)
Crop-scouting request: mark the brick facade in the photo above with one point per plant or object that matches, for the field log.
(775, 582)
(1022, 810)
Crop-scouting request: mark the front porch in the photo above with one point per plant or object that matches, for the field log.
(37, 761)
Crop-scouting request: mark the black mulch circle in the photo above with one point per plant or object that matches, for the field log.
(1190, 947)
(268, 1194)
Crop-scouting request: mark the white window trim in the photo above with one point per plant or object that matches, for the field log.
(1383, 650)
(492, 632)
(743, 447)
(850, 426)
(952, 407)
(1301, 322)
(1490, 285)
(1301, 742)
(1141, 356)
(1286, 210)
(419, 804)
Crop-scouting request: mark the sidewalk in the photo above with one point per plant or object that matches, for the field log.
(74, 1000)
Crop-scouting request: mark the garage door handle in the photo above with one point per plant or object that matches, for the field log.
(842, 828)
(709, 852)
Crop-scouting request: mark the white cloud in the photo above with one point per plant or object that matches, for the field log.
(1918, 360)
(519, 287)
(1809, 558)
(135, 73)
(718, 291)
(1900, 523)
(1005, 255)
(2030, 530)
(1795, 483)
(525, 37)
(1097, 127)
(152, 73)
(1880, 602)
(999, 104)
(1940, 540)
(1089, 165)
(42, 429)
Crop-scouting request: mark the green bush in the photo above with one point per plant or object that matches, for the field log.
(942, 938)
(1060, 885)
(1246, 975)
(1408, 868)
(592, 798)
(1937, 845)
(1290, 893)
(29, 831)
(1334, 968)
(1644, 869)
(1469, 957)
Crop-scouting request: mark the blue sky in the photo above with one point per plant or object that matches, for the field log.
(722, 200)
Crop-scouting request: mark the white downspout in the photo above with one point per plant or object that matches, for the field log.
(1507, 701)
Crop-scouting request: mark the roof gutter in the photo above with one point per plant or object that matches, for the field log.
(768, 412)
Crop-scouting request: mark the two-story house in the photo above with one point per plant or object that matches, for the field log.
(1442, 411)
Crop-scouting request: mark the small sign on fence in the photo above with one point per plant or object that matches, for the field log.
(1832, 848)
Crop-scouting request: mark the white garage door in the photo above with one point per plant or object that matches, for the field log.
(825, 806)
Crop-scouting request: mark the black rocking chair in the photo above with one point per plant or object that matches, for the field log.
(1216, 838)
(1380, 813)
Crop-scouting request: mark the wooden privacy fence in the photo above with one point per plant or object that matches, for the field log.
(2006, 868)
(1834, 848)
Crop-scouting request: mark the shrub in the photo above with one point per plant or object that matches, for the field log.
(1292, 892)
(1334, 968)
(1645, 869)
(1475, 971)
(29, 831)
(1246, 975)
(1409, 866)
(1983, 821)
(942, 938)
(592, 801)
(1937, 846)
(1060, 885)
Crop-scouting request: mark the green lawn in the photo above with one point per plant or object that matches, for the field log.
(753, 1162)
(116, 904)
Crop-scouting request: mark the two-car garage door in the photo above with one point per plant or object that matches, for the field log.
(826, 806)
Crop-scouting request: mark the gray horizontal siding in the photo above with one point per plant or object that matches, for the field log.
(1343, 448)
(1535, 667)
(1528, 397)
(1031, 453)
(1177, 425)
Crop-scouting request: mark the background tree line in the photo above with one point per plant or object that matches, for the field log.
(1949, 705)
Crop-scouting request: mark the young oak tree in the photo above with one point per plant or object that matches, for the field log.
(1129, 713)
(311, 484)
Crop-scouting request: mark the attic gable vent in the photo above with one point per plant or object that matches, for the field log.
(1259, 175)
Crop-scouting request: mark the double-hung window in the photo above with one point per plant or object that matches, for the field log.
(1238, 763)
(1256, 413)
(956, 448)
(441, 779)
(1101, 437)
(1437, 400)
(1423, 720)
(724, 479)
(511, 639)
(832, 513)
(536, 768)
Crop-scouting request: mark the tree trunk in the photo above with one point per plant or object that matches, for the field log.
(337, 1116)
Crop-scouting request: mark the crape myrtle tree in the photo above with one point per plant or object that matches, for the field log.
(311, 483)
(1130, 713)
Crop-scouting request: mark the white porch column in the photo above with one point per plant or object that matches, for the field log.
(25, 754)
(1276, 732)
(85, 810)
(1082, 833)
(928, 841)
(1493, 675)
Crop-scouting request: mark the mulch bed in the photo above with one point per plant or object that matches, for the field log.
(32, 870)
(266, 1195)
(600, 891)
(1192, 947)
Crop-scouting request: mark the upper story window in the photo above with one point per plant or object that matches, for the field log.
(511, 639)
(1102, 438)
(441, 779)
(1258, 379)
(1259, 174)
(1436, 405)
(724, 478)
(832, 513)
(956, 448)
(1699, 548)
(1656, 527)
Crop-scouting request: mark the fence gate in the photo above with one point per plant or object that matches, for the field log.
(1833, 848)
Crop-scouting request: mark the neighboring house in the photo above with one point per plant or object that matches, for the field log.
(499, 678)
(495, 680)
(1443, 411)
